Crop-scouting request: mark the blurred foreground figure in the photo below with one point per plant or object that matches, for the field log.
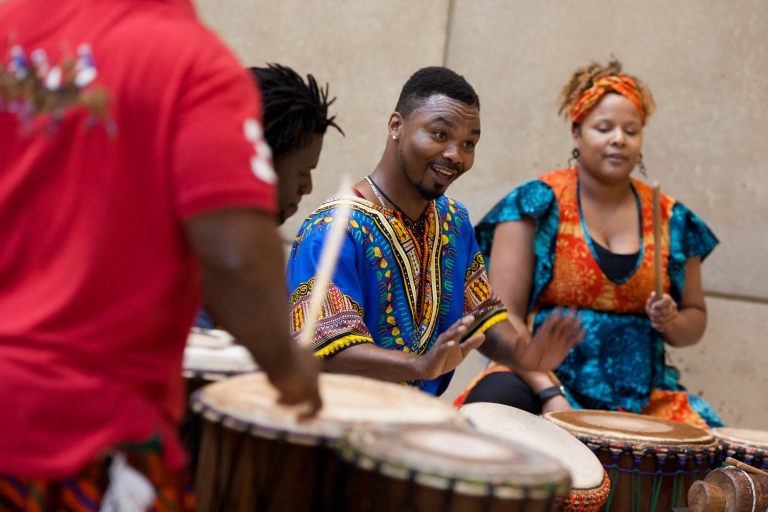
(131, 158)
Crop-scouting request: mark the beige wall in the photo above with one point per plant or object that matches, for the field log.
(364, 49)
(705, 61)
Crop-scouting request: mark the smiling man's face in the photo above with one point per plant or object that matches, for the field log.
(438, 142)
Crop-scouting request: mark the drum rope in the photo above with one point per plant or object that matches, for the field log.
(657, 481)
(614, 478)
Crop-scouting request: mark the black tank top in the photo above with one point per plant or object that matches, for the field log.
(616, 266)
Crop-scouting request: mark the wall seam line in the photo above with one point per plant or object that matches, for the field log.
(735, 296)
(448, 31)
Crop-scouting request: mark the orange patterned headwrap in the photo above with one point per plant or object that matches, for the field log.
(590, 98)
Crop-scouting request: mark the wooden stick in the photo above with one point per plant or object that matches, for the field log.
(657, 270)
(326, 267)
(745, 467)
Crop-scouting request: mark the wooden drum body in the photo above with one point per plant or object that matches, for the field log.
(256, 455)
(446, 469)
(210, 355)
(746, 445)
(651, 462)
(590, 485)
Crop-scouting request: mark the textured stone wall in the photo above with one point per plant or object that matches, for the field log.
(704, 61)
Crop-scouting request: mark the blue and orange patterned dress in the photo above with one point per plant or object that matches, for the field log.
(393, 287)
(621, 363)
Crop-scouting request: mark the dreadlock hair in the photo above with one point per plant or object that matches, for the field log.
(293, 110)
(427, 82)
(584, 77)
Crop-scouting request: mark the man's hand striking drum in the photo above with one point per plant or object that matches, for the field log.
(448, 351)
(243, 285)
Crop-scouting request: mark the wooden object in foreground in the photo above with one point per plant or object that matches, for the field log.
(729, 490)
(745, 467)
(658, 272)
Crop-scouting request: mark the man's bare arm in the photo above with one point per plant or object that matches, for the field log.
(244, 285)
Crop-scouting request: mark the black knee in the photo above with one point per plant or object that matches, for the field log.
(507, 389)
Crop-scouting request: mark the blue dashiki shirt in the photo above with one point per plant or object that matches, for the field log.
(392, 287)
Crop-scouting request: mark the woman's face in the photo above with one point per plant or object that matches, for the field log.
(609, 139)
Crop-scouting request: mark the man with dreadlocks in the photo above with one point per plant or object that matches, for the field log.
(583, 237)
(295, 121)
(410, 297)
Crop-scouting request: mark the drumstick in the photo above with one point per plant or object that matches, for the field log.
(657, 271)
(744, 467)
(329, 257)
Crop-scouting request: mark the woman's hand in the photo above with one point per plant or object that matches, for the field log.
(663, 313)
(556, 403)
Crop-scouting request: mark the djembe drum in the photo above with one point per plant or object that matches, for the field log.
(256, 455)
(209, 355)
(747, 445)
(422, 468)
(651, 462)
(590, 485)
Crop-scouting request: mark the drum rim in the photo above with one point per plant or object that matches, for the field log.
(211, 375)
(498, 485)
(740, 442)
(637, 441)
(598, 495)
(217, 417)
(191, 371)
(598, 466)
(326, 432)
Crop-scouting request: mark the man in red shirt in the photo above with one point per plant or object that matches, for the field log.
(131, 157)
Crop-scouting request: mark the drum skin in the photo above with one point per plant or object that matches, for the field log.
(446, 468)
(256, 456)
(590, 485)
(651, 462)
(746, 445)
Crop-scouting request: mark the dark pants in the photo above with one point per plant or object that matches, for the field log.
(507, 389)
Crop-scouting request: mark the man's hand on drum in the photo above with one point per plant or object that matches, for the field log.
(546, 349)
(297, 383)
(662, 313)
(448, 351)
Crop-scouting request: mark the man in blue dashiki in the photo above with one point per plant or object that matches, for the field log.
(410, 297)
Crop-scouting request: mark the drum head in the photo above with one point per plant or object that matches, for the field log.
(587, 473)
(748, 438)
(442, 456)
(249, 402)
(213, 355)
(634, 429)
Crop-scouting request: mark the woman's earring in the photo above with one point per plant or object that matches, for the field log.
(394, 137)
(641, 166)
(574, 157)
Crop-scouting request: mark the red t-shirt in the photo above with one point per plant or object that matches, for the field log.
(98, 284)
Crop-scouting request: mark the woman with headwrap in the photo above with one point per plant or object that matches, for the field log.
(582, 238)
